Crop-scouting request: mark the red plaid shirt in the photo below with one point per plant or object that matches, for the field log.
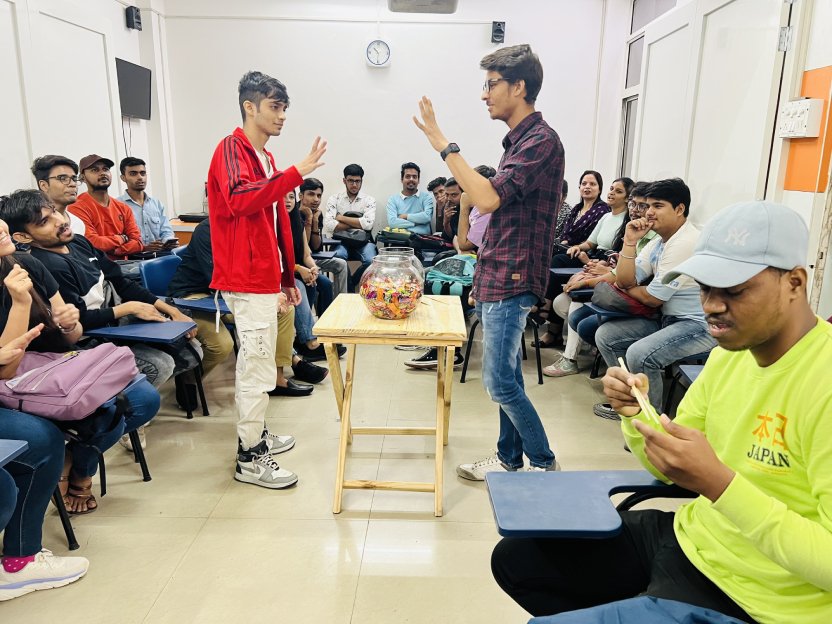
(517, 246)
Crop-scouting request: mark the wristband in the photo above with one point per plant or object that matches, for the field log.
(68, 330)
(621, 255)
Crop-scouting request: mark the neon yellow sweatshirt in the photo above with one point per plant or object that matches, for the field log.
(767, 541)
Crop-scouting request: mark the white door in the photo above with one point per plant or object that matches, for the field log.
(711, 79)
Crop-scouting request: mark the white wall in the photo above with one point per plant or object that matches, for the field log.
(58, 60)
(316, 49)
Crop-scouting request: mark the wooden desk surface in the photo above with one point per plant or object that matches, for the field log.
(438, 320)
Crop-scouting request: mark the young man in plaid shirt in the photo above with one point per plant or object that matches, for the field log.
(513, 262)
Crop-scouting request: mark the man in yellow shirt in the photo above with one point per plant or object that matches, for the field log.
(753, 437)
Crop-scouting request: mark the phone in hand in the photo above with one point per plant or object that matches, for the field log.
(171, 243)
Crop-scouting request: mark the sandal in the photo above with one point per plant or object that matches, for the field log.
(82, 493)
(555, 343)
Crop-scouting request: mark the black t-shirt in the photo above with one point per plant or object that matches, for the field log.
(193, 275)
(51, 339)
(80, 274)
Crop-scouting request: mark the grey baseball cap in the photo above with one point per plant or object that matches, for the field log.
(744, 239)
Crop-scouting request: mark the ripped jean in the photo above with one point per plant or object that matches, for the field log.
(521, 431)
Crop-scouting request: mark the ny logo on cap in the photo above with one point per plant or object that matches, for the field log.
(737, 237)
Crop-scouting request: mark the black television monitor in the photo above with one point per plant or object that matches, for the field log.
(133, 89)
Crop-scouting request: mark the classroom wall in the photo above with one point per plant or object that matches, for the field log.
(317, 50)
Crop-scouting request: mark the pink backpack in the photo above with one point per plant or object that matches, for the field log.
(68, 386)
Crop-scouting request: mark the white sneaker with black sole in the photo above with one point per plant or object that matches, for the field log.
(258, 467)
(428, 360)
(45, 572)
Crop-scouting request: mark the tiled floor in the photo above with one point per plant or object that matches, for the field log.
(193, 545)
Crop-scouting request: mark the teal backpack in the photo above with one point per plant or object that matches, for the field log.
(451, 276)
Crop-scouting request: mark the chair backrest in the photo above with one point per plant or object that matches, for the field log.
(177, 251)
(157, 273)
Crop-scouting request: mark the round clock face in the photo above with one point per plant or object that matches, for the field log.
(378, 53)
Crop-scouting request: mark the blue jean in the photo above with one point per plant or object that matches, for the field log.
(652, 345)
(585, 322)
(365, 254)
(324, 287)
(521, 431)
(144, 403)
(35, 473)
(303, 315)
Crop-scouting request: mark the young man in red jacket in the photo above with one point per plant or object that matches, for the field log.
(254, 262)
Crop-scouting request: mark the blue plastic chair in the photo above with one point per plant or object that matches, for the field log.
(177, 251)
(157, 273)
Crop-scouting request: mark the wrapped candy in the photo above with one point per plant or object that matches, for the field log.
(391, 288)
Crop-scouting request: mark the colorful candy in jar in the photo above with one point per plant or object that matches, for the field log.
(390, 299)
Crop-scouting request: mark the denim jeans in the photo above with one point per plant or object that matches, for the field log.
(365, 254)
(303, 315)
(35, 473)
(325, 294)
(144, 403)
(521, 431)
(651, 345)
(585, 322)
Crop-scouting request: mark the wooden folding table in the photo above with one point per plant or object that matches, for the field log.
(437, 322)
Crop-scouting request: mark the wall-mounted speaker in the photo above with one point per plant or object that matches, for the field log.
(498, 32)
(134, 17)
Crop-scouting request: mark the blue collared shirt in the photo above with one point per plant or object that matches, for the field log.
(151, 218)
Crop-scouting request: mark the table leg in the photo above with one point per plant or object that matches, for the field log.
(441, 374)
(346, 433)
(450, 353)
(336, 376)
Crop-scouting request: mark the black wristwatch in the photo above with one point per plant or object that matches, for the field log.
(452, 148)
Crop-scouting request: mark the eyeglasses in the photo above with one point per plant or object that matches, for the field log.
(490, 84)
(639, 207)
(65, 179)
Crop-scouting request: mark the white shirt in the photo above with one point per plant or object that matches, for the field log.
(340, 203)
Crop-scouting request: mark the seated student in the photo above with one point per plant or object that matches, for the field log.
(311, 190)
(156, 231)
(192, 280)
(608, 235)
(26, 486)
(310, 284)
(450, 212)
(472, 224)
(563, 213)
(437, 188)
(57, 177)
(31, 298)
(752, 437)
(81, 270)
(411, 209)
(335, 219)
(109, 224)
(583, 217)
(601, 238)
(651, 344)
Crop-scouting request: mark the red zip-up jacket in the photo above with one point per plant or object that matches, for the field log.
(241, 205)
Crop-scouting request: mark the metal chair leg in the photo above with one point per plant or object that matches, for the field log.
(523, 345)
(468, 350)
(180, 389)
(537, 353)
(139, 452)
(71, 541)
(201, 390)
(596, 366)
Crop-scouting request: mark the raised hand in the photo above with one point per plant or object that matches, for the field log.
(429, 126)
(313, 159)
(19, 285)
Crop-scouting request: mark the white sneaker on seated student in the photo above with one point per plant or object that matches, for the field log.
(752, 437)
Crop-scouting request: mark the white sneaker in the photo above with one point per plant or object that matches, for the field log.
(278, 443)
(561, 368)
(477, 470)
(257, 466)
(45, 572)
(553, 468)
(125, 439)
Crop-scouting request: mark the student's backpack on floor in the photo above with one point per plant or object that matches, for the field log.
(68, 386)
(452, 276)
